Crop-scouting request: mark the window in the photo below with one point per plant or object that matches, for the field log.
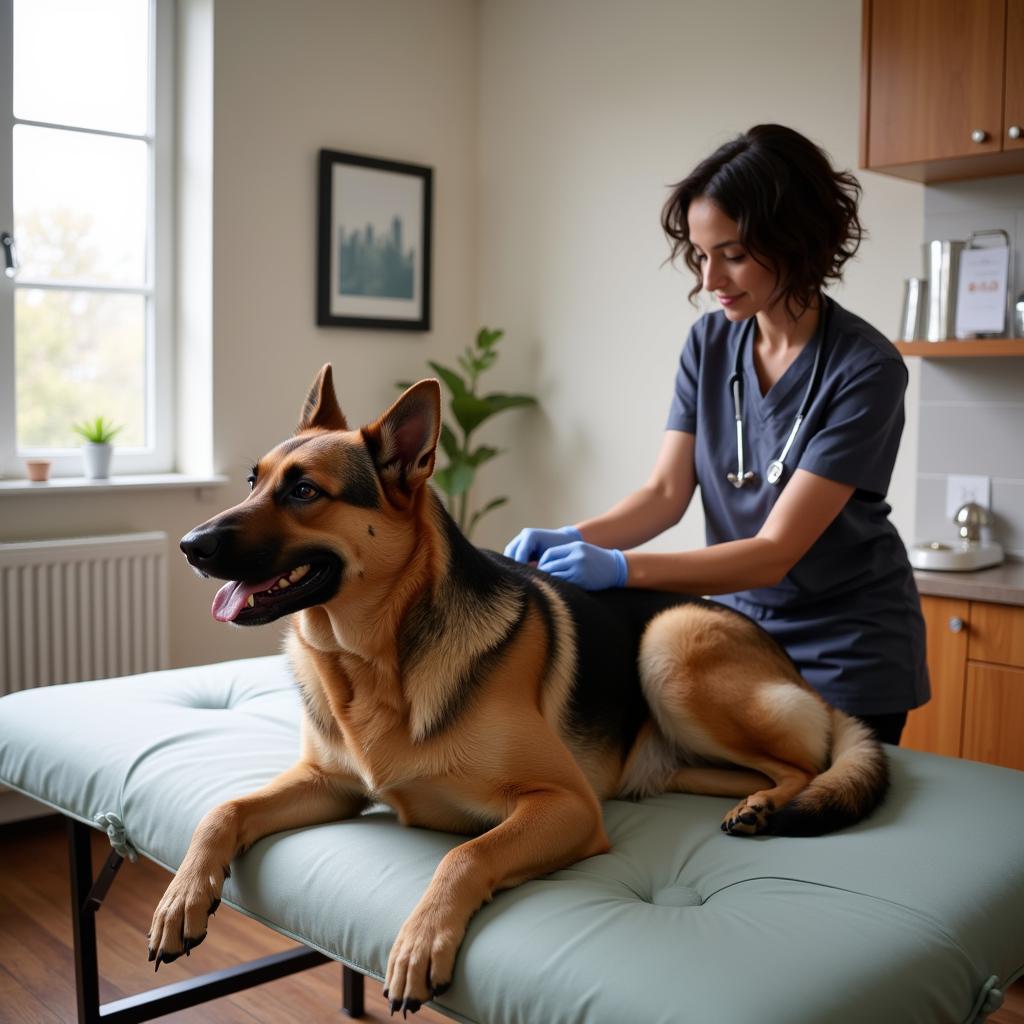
(85, 191)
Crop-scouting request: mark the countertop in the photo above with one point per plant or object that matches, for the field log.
(1000, 584)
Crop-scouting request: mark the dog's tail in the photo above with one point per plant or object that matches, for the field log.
(848, 790)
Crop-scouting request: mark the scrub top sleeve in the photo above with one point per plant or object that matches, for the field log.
(683, 411)
(860, 433)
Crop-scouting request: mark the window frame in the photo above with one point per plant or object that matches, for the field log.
(158, 456)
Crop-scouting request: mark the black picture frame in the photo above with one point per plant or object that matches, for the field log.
(373, 242)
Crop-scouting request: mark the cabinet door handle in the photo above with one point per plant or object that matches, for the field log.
(956, 624)
(1015, 131)
(979, 135)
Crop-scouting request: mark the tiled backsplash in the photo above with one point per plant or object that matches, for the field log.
(972, 410)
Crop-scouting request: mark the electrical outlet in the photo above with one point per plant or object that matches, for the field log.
(962, 489)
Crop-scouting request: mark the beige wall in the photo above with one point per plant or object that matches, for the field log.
(390, 78)
(554, 127)
(588, 110)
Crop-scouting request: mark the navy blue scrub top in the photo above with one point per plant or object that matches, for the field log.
(848, 613)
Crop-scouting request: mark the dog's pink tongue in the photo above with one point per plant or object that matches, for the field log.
(231, 598)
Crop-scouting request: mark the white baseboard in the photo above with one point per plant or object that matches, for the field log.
(15, 807)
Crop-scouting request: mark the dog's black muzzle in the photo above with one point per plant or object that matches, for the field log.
(226, 549)
(222, 549)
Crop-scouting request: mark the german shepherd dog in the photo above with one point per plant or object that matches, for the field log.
(479, 696)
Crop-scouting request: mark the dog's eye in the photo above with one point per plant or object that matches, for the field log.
(305, 492)
(251, 481)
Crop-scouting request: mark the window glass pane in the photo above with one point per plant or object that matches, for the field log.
(82, 62)
(78, 355)
(80, 206)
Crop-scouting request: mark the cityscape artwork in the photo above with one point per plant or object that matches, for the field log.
(374, 243)
(375, 262)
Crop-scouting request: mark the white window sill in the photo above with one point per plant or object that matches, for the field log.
(141, 482)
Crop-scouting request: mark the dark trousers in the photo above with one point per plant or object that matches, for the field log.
(888, 728)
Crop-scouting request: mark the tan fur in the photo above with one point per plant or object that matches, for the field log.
(500, 762)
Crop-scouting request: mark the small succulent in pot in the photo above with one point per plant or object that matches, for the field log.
(97, 450)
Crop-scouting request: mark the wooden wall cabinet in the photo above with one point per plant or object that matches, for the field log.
(942, 88)
(976, 663)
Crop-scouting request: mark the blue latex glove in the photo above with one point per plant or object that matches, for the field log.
(529, 544)
(586, 565)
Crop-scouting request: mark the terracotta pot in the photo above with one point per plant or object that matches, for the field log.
(38, 470)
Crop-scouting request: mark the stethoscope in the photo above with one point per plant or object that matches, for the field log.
(773, 474)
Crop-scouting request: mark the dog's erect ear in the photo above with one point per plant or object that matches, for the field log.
(321, 408)
(403, 442)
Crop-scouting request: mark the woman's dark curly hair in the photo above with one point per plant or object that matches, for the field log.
(796, 214)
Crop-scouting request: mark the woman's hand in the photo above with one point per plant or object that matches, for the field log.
(586, 565)
(529, 544)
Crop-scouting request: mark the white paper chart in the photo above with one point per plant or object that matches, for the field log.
(981, 291)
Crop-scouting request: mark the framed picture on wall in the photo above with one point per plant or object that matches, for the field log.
(373, 262)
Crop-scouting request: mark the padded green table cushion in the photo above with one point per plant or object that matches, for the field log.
(916, 914)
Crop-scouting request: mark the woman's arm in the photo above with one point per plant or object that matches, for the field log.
(656, 506)
(806, 506)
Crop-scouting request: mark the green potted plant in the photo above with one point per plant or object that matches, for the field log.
(97, 450)
(469, 411)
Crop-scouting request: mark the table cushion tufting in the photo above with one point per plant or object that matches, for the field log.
(916, 914)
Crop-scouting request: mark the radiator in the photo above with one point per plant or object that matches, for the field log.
(86, 608)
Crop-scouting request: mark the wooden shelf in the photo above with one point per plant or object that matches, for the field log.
(970, 347)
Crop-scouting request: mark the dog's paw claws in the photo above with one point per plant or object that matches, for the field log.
(439, 990)
(181, 918)
(410, 1006)
(167, 958)
(747, 819)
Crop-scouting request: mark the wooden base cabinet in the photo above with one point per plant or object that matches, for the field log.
(994, 715)
(976, 663)
(937, 726)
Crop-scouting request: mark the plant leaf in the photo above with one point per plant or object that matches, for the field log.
(472, 410)
(488, 338)
(455, 479)
(481, 455)
(481, 512)
(449, 443)
(502, 401)
(97, 431)
(455, 383)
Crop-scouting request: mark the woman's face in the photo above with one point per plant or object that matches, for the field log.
(742, 286)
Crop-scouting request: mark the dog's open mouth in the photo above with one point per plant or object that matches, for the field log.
(252, 604)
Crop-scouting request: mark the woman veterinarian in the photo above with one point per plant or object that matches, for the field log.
(787, 413)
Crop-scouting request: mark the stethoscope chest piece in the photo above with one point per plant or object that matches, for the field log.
(774, 474)
(742, 480)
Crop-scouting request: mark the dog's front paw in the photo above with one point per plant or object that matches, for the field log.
(422, 959)
(179, 921)
(748, 817)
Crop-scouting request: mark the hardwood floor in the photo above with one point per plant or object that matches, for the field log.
(37, 971)
(37, 976)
